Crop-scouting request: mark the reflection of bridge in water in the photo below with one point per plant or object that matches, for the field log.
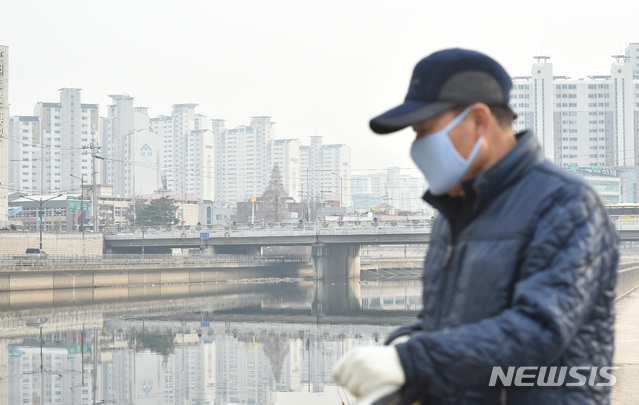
(119, 323)
(300, 327)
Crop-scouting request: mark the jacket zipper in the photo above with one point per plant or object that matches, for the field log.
(442, 295)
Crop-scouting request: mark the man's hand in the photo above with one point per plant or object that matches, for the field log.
(365, 369)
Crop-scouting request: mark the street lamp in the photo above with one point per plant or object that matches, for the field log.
(81, 201)
(41, 202)
(142, 240)
(341, 189)
(133, 196)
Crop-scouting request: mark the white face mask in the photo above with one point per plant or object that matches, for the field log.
(438, 159)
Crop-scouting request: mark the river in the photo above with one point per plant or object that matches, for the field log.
(248, 341)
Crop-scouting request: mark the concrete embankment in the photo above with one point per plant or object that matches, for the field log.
(93, 275)
(18, 278)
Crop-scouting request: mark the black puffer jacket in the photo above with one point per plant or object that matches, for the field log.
(519, 273)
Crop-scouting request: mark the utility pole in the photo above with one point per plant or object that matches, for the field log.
(183, 198)
(94, 195)
(134, 199)
(81, 207)
(341, 188)
(308, 214)
(81, 229)
(253, 210)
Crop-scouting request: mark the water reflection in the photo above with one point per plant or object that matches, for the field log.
(249, 342)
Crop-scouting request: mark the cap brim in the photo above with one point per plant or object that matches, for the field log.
(409, 113)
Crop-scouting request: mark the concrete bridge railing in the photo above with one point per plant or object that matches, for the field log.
(273, 227)
(125, 260)
(627, 278)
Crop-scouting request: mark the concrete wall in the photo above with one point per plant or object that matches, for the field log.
(30, 279)
(52, 243)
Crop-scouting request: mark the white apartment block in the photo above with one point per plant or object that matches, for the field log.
(131, 151)
(391, 186)
(361, 184)
(187, 152)
(177, 168)
(200, 121)
(201, 161)
(336, 173)
(242, 159)
(162, 126)
(67, 130)
(404, 191)
(326, 172)
(264, 134)
(236, 172)
(286, 154)
(4, 134)
(588, 122)
(25, 155)
(311, 157)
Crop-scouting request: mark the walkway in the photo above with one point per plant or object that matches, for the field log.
(626, 390)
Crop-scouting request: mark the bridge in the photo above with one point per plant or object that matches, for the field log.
(335, 246)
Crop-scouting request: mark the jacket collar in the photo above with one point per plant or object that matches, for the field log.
(484, 187)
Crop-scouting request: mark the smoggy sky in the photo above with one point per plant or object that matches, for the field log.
(317, 67)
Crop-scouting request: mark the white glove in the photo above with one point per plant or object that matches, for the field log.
(399, 339)
(364, 370)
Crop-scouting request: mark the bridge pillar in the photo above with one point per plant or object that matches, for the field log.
(336, 262)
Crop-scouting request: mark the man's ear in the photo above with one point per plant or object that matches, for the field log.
(481, 118)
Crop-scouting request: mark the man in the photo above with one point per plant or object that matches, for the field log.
(521, 268)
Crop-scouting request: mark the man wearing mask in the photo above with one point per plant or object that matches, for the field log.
(521, 268)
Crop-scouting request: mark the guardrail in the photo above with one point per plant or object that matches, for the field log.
(627, 278)
(285, 226)
(133, 260)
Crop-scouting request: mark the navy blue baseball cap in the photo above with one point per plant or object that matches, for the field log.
(443, 80)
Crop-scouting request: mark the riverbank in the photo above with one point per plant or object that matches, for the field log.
(67, 278)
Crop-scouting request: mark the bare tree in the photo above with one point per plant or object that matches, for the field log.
(274, 197)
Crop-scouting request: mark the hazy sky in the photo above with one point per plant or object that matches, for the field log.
(317, 67)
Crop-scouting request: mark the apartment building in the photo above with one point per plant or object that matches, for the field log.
(25, 154)
(242, 159)
(584, 122)
(162, 126)
(67, 130)
(201, 164)
(285, 153)
(132, 151)
(177, 167)
(326, 172)
(4, 133)
(393, 186)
